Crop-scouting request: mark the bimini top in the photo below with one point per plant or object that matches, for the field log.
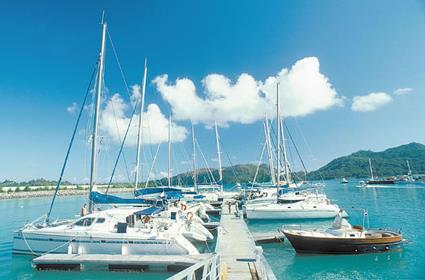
(101, 198)
(159, 192)
(149, 211)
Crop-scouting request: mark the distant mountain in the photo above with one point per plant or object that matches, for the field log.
(232, 174)
(386, 163)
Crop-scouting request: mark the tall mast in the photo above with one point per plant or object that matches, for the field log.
(169, 151)
(220, 169)
(285, 159)
(269, 150)
(139, 133)
(371, 171)
(408, 168)
(278, 138)
(194, 158)
(96, 113)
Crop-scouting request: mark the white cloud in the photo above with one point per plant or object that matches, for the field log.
(114, 122)
(72, 108)
(403, 91)
(163, 174)
(370, 102)
(304, 90)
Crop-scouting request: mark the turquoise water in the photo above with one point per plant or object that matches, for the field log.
(395, 208)
(398, 207)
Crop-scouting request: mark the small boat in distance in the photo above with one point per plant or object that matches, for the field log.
(344, 180)
(343, 238)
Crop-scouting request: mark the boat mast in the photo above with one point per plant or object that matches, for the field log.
(220, 169)
(285, 160)
(269, 150)
(409, 170)
(96, 113)
(371, 171)
(140, 131)
(278, 139)
(194, 159)
(169, 151)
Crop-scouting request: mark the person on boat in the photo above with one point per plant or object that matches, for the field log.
(339, 222)
(83, 210)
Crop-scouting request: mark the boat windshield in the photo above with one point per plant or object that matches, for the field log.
(85, 222)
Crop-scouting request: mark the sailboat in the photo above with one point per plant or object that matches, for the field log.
(376, 181)
(309, 207)
(121, 230)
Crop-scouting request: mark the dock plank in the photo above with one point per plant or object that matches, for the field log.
(235, 246)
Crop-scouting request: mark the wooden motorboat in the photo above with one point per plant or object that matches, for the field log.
(342, 238)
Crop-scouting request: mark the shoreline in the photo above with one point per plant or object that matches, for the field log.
(47, 193)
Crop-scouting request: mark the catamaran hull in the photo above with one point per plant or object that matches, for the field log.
(36, 244)
(257, 214)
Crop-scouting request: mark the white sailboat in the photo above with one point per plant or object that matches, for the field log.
(294, 205)
(122, 230)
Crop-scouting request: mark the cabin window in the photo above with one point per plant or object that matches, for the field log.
(100, 220)
(85, 222)
(352, 235)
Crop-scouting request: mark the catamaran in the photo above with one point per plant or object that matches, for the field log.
(118, 230)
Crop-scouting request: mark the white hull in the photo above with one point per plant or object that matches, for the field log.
(288, 215)
(36, 244)
(298, 210)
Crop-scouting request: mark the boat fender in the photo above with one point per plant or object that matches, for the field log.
(189, 216)
(184, 207)
(146, 219)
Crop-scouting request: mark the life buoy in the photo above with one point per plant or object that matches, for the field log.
(146, 219)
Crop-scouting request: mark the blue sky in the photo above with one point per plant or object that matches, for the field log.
(48, 50)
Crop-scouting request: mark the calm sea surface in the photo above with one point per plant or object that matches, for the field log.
(400, 207)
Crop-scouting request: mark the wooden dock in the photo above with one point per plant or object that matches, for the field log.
(265, 238)
(236, 247)
(118, 262)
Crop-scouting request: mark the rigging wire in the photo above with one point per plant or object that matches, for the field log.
(71, 141)
(209, 173)
(308, 146)
(259, 162)
(296, 149)
(119, 65)
(231, 163)
(121, 148)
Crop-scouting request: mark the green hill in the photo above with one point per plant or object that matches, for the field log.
(231, 174)
(386, 163)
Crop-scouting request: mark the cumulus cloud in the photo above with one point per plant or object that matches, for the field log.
(72, 108)
(115, 117)
(304, 90)
(370, 102)
(403, 91)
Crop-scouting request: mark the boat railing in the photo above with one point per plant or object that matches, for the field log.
(291, 227)
(207, 269)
